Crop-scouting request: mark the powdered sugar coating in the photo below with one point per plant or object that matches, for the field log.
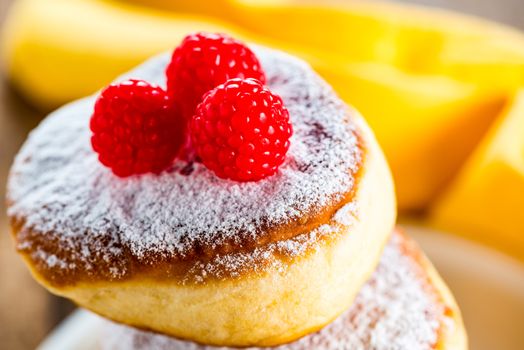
(269, 256)
(397, 308)
(261, 259)
(60, 193)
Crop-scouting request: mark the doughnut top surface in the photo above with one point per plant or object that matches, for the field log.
(398, 308)
(70, 212)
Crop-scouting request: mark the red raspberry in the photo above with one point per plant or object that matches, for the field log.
(136, 128)
(202, 61)
(241, 130)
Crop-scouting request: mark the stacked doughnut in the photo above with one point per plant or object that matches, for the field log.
(305, 257)
(404, 305)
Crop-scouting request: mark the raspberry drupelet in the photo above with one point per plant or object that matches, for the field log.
(241, 130)
(204, 60)
(136, 129)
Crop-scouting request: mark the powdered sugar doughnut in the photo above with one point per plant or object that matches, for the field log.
(404, 305)
(194, 256)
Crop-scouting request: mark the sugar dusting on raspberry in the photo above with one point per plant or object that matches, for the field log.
(60, 192)
(396, 309)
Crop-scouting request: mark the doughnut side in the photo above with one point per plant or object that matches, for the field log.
(269, 306)
(404, 305)
(452, 333)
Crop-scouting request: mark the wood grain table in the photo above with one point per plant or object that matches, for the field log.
(27, 312)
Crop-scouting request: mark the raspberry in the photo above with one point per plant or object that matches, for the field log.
(204, 60)
(136, 128)
(241, 130)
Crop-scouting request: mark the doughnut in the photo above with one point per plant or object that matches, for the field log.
(192, 256)
(404, 305)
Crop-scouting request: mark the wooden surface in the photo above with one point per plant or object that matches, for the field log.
(25, 308)
(27, 312)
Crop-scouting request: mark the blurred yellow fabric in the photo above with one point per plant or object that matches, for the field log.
(429, 82)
